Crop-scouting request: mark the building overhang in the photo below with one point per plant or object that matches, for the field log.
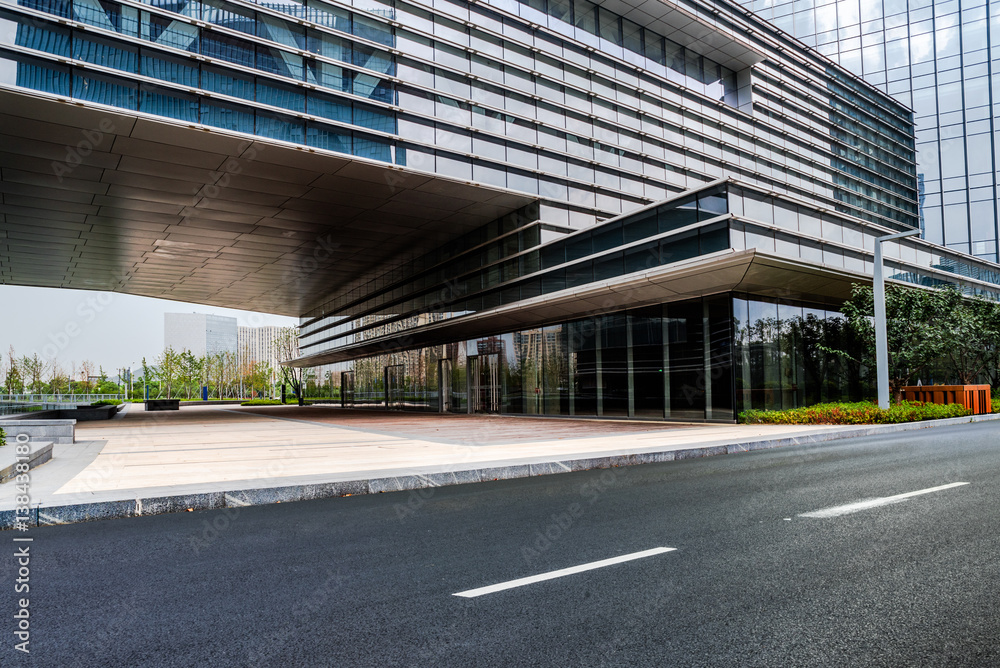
(750, 271)
(704, 33)
(99, 199)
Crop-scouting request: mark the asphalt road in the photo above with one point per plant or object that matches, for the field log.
(370, 580)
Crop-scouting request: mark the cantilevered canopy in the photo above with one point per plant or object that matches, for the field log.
(726, 271)
(100, 199)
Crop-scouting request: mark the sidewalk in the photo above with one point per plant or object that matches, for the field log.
(217, 456)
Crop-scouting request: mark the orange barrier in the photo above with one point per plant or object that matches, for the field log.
(974, 397)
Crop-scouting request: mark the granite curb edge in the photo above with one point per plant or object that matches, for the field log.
(238, 498)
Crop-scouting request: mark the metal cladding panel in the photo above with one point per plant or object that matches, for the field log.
(727, 271)
(155, 208)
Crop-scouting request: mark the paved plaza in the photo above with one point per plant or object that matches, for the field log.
(206, 448)
(207, 455)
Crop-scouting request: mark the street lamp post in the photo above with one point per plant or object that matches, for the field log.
(881, 338)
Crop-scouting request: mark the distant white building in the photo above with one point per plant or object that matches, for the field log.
(259, 344)
(201, 333)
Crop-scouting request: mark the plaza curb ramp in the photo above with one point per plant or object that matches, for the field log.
(409, 479)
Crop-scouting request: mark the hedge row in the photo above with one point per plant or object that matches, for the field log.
(862, 412)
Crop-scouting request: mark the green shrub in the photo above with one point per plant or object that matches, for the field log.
(261, 402)
(104, 402)
(3, 438)
(862, 412)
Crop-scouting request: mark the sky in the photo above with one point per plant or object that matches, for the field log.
(109, 329)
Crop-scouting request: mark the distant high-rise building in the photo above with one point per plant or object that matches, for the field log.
(259, 344)
(938, 58)
(201, 333)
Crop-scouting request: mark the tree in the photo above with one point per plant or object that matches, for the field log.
(167, 369)
(215, 372)
(286, 349)
(147, 376)
(86, 371)
(926, 330)
(58, 381)
(34, 368)
(15, 378)
(231, 372)
(974, 324)
(189, 370)
(259, 376)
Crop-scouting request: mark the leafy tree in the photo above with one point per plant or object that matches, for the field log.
(286, 346)
(215, 372)
(34, 368)
(259, 376)
(925, 328)
(189, 370)
(167, 370)
(58, 381)
(147, 376)
(86, 371)
(14, 382)
(974, 324)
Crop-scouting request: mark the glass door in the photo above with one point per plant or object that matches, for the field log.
(444, 386)
(484, 383)
(346, 388)
(395, 387)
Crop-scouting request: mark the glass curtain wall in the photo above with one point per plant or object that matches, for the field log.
(666, 361)
(784, 360)
(700, 359)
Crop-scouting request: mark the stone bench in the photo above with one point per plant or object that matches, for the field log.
(41, 452)
(57, 431)
(163, 404)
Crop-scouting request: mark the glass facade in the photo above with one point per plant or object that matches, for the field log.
(492, 267)
(640, 155)
(667, 361)
(512, 267)
(690, 359)
(592, 113)
(782, 360)
(217, 64)
(942, 59)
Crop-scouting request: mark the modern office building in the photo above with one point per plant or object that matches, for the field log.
(200, 333)
(259, 344)
(943, 60)
(647, 208)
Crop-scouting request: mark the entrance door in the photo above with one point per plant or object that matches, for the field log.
(346, 388)
(394, 387)
(484, 383)
(444, 386)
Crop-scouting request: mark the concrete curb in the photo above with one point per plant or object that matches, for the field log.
(238, 498)
(9, 459)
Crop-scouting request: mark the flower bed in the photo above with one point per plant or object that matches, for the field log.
(862, 412)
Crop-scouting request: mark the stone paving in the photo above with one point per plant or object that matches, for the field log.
(208, 446)
(210, 456)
